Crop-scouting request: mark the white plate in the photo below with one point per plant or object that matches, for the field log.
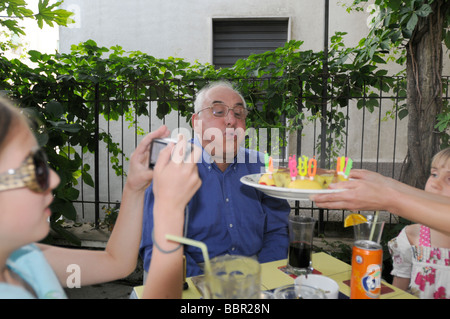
(283, 192)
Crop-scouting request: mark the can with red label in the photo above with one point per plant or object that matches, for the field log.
(367, 259)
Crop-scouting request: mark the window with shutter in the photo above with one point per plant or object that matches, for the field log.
(235, 39)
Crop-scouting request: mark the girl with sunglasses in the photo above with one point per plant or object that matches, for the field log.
(32, 270)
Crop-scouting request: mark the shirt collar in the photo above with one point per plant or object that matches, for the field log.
(207, 160)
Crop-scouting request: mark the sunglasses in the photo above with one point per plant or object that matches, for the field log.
(33, 173)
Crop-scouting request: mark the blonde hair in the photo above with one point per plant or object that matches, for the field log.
(441, 159)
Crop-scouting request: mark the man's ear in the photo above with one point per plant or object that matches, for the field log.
(193, 119)
(195, 122)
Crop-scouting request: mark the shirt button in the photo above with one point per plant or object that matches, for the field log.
(231, 225)
(233, 248)
(227, 199)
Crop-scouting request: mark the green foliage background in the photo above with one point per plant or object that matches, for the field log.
(59, 91)
(280, 88)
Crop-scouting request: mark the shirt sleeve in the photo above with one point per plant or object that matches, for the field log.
(8, 291)
(31, 265)
(401, 253)
(276, 239)
(146, 246)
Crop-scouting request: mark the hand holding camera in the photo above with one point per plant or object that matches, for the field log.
(175, 174)
(178, 154)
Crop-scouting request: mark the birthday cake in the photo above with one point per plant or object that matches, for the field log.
(305, 175)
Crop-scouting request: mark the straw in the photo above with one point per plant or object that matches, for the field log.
(195, 243)
(372, 230)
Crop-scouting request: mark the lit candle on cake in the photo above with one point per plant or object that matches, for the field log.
(267, 178)
(270, 165)
(348, 167)
(343, 166)
(293, 167)
(266, 161)
(340, 165)
(312, 168)
(303, 166)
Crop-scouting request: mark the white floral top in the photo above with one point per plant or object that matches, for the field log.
(427, 267)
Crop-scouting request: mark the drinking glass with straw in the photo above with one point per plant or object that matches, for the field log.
(228, 276)
(374, 225)
(370, 230)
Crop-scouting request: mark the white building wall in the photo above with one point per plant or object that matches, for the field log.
(183, 29)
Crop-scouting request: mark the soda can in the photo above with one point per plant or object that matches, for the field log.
(367, 259)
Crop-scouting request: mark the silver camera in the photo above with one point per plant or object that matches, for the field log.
(159, 144)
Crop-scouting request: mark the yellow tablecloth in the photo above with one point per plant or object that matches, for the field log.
(272, 277)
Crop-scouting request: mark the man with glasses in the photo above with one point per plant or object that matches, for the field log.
(228, 216)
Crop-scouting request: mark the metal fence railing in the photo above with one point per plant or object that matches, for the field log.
(374, 137)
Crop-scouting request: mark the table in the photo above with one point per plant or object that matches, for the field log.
(273, 276)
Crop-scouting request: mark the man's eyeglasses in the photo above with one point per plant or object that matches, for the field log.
(221, 110)
(33, 173)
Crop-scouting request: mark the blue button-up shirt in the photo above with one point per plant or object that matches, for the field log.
(228, 216)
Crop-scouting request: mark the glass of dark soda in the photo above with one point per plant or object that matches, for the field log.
(301, 233)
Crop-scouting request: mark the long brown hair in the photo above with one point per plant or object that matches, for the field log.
(10, 117)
